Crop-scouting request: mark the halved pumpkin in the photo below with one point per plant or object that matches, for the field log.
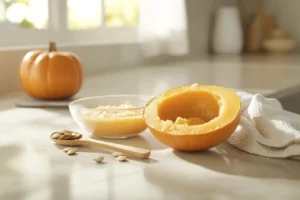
(194, 117)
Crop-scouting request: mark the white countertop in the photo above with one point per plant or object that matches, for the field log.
(33, 168)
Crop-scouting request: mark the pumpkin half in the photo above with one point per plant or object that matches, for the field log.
(195, 117)
(51, 75)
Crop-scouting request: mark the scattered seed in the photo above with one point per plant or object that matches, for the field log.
(72, 151)
(99, 159)
(121, 158)
(67, 149)
(116, 154)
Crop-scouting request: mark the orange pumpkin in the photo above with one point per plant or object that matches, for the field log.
(194, 117)
(51, 75)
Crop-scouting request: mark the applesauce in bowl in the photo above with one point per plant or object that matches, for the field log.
(113, 116)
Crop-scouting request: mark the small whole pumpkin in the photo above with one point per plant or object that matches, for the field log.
(51, 75)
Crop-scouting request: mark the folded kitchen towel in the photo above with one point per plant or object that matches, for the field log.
(266, 129)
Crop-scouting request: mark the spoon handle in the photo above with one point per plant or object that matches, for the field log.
(134, 151)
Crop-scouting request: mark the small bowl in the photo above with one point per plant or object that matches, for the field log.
(110, 120)
(278, 45)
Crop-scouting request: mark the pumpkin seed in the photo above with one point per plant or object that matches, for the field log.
(65, 131)
(72, 151)
(67, 149)
(116, 154)
(55, 135)
(74, 134)
(121, 158)
(99, 159)
(68, 134)
(66, 137)
(62, 137)
(79, 136)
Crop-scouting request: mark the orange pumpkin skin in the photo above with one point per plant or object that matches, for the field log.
(51, 75)
(192, 143)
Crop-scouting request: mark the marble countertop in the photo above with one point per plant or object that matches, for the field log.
(33, 168)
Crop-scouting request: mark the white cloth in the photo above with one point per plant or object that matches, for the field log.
(266, 129)
(163, 27)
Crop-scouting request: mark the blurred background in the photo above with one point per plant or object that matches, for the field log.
(81, 14)
(113, 34)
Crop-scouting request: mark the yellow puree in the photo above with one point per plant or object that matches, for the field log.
(104, 121)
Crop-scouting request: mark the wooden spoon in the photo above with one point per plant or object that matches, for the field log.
(134, 151)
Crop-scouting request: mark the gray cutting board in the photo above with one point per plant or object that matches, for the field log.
(35, 103)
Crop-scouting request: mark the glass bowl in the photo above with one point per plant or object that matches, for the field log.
(113, 116)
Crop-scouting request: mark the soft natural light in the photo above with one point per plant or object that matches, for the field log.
(80, 14)
(84, 14)
(16, 13)
(38, 13)
(68, 21)
(2, 11)
(121, 12)
(28, 14)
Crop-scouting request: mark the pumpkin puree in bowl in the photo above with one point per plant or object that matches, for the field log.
(110, 116)
(114, 121)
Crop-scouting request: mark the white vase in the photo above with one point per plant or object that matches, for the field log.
(227, 31)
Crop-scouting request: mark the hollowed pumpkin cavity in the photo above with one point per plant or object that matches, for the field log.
(191, 108)
(193, 117)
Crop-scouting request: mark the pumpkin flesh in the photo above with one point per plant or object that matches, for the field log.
(194, 117)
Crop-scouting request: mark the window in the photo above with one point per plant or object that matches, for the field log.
(32, 22)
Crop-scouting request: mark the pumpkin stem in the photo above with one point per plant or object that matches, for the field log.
(52, 46)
